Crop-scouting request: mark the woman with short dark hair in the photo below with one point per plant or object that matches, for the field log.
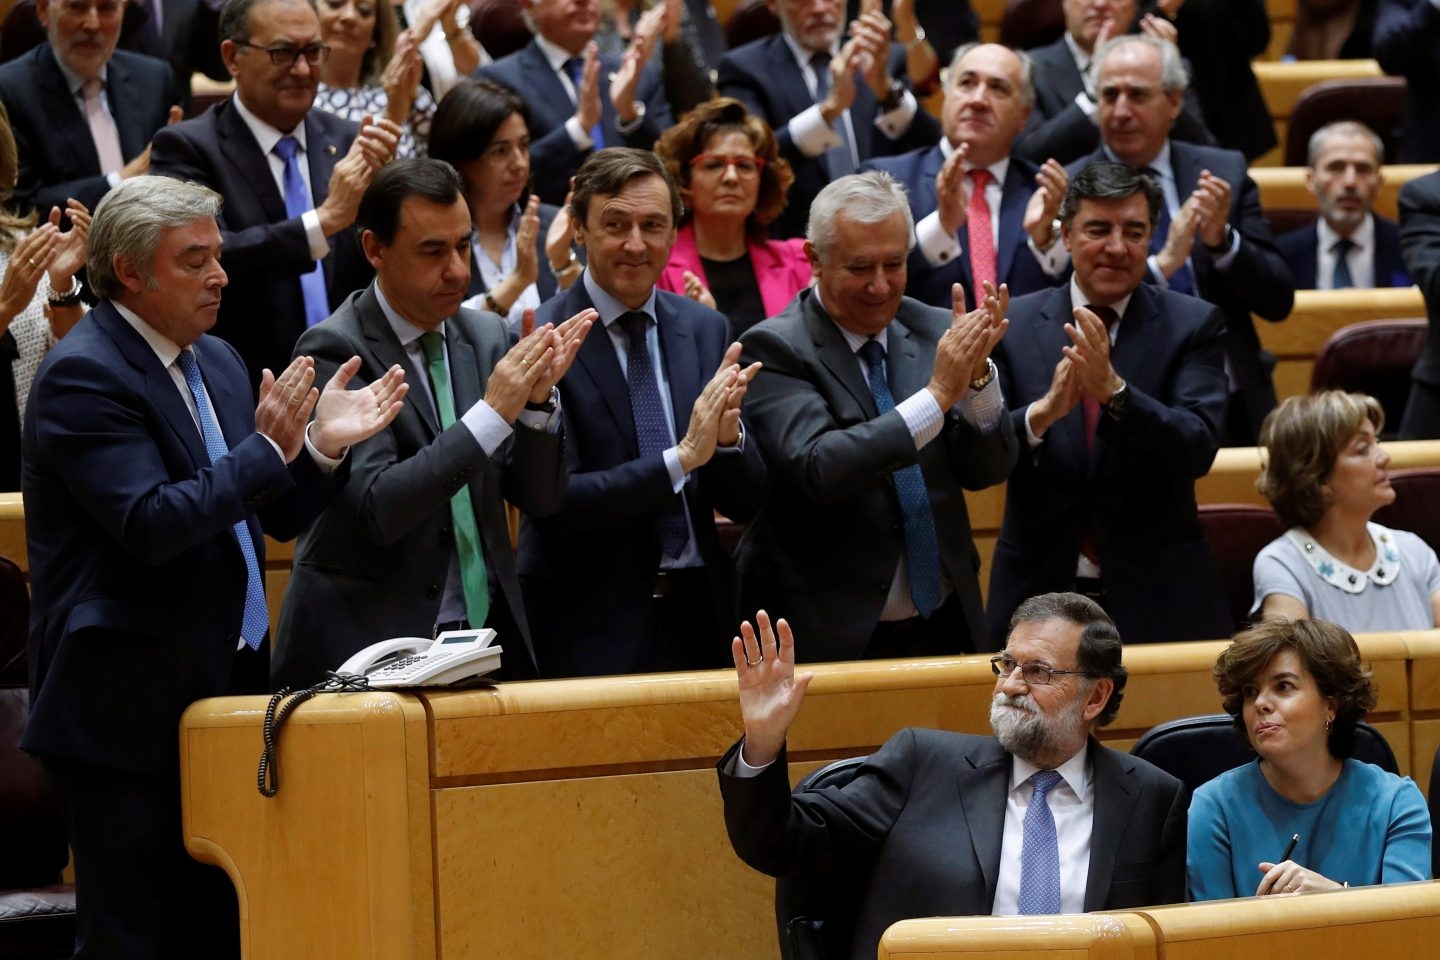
(1297, 689)
(1325, 474)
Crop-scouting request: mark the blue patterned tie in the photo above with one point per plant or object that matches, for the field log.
(1039, 851)
(651, 431)
(840, 160)
(1341, 277)
(922, 550)
(574, 69)
(297, 203)
(1181, 280)
(257, 617)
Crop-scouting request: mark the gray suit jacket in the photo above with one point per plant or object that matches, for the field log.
(823, 550)
(373, 566)
(921, 824)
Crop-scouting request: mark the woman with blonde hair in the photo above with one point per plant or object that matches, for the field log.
(1325, 474)
(33, 316)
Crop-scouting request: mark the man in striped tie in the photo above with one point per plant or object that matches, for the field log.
(149, 477)
(1038, 819)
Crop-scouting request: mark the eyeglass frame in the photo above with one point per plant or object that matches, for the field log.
(1050, 672)
(731, 160)
(315, 54)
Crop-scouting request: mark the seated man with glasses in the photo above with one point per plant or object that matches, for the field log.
(83, 112)
(291, 176)
(1038, 819)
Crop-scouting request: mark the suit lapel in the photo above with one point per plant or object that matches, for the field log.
(386, 351)
(789, 81)
(682, 362)
(1014, 195)
(322, 151)
(1135, 339)
(122, 97)
(902, 358)
(1066, 436)
(60, 104)
(982, 784)
(545, 92)
(597, 360)
(1116, 793)
(238, 146)
(836, 354)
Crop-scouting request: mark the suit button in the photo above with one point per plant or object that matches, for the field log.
(432, 591)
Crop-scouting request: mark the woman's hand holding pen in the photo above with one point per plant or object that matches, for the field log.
(1289, 877)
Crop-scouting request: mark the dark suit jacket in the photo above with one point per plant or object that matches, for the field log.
(1407, 34)
(922, 822)
(589, 571)
(139, 583)
(1060, 130)
(1301, 250)
(765, 77)
(1015, 264)
(554, 157)
(262, 312)
(1135, 490)
(57, 153)
(824, 550)
(1256, 281)
(373, 566)
(1420, 243)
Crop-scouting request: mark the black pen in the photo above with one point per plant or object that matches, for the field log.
(1289, 849)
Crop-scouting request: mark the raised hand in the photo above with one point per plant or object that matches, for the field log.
(513, 380)
(632, 64)
(568, 337)
(285, 404)
(372, 148)
(770, 690)
(873, 32)
(401, 79)
(28, 262)
(1213, 200)
(344, 417)
(842, 82)
(71, 251)
(703, 433)
(1061, 397)
(697, 291)
(558, 237)
(729, 432)
(587, 98)
(1181, 238)
(951, 199)
(1159, 28)
(1090, 353)
(527, 258)
(1051, 182)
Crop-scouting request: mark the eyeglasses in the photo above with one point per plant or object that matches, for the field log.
(714, 164)
(1035, 673)
(285, 56)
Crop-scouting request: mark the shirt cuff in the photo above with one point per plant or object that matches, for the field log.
(578, 134)
(937, 247)
(1085, 103)
(113, 178)
(1053, 261)
(672, 467)
(540, 420)
(1158, 275)
(1031, 438)
(326, 464)
(983, 408)
(1228, 257)
(922, 415)
(319, 243)
(486, 426)
(739, 768)
(810, 133)
(894, 123)
(628, 128)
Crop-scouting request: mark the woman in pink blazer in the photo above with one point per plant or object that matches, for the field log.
(733, 182)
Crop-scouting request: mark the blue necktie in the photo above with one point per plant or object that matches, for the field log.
(922, 549)
(841, 159)
(1040, 851)
(1342, 278)
(651, 431)
(1181, 281)
(297, 202)
(257, 617)
(574, 68)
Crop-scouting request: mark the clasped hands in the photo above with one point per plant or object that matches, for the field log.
(533, 366)
(1084, 369)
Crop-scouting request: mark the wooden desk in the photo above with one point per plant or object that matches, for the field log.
(514, 822)
(1395, 922)
(1282, 83)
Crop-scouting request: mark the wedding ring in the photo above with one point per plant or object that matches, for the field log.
(526, 363)
(32, 261)
(754, 663)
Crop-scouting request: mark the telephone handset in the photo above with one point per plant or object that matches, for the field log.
(453, 656)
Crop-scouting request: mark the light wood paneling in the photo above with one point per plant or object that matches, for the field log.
(1285, 186)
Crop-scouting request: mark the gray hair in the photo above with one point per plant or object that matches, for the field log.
(130, 220)
(1027, 69)
(1343, 128)
(1173, 78)
(234, 22)
(864, 198)
(1099, 652)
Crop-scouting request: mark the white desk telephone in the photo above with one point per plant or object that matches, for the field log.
(453, 656)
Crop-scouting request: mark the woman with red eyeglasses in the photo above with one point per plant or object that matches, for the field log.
(733, 183)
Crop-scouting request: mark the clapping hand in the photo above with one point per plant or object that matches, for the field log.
(344, 417)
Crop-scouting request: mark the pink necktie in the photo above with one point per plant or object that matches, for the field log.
(982, 240)
(102, 128)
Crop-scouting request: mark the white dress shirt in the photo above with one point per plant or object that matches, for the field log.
(809, 131)
(1072, 803)
(267, 136)
(1361, 257)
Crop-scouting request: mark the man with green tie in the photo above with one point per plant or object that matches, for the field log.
(418, 541)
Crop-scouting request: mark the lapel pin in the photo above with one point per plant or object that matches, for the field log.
(330, 150)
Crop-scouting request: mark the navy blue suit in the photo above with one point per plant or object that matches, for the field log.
(263, 311)
(1014, 263)
(1135, 490)
(765, 77)
(138, 590)
(1301, 250)
(1420, 236)
(57, 153)
(588, 573)
(1407, 35)
(1257, 281)
(554, 158)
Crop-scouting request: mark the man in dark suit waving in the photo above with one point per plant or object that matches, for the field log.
(149, 476)
(1350, 245)
(630, 575)
(291, 177)
(395, 554)
(83, 113)
(1039, 819)
(1118, 391)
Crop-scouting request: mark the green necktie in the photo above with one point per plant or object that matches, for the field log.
(462, 512)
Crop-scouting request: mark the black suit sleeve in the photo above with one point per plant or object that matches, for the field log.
(1420, 235)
